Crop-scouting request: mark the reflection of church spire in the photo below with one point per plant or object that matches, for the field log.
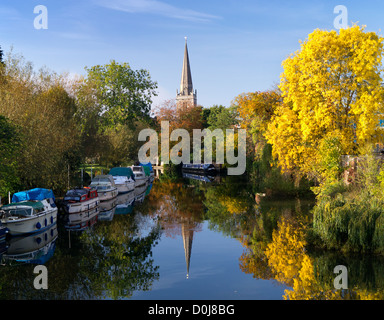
(187, 240)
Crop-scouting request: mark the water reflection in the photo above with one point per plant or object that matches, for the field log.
(125, 203)
(109, 254)
(274, 235)
(34, 249)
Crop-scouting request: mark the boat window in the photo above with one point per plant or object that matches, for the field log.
(18, 212)
(68, 198)
(102, 187)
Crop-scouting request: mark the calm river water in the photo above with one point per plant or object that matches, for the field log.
(190, 239)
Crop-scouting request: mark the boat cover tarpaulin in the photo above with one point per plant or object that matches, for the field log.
(121, 171)
(147, 165)
(33, 194)
(147, 170)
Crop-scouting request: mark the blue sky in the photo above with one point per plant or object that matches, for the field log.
(234, 46)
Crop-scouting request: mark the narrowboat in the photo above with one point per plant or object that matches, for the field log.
(200, 168)
(31, 211)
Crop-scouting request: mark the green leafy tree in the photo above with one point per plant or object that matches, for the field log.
(9, 146)
(123, 95)
(221, 117)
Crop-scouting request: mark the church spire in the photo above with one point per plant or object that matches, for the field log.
(187, 232)
(186, 94)
(186, 86)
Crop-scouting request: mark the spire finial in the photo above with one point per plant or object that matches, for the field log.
(185, 39)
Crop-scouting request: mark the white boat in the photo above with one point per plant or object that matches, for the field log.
(80, 199)
(105, 186)
(124, 179)
(31, 211)
(140, 176)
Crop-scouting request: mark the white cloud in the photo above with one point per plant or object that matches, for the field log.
(156, 7)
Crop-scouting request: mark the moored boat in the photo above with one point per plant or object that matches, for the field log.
(202, 168)
(80, 199)
(30, 211)
(105, 186)
(140, 175)
(124, 179)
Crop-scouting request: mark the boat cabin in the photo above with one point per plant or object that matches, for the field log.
(80, 195)
(21, 210)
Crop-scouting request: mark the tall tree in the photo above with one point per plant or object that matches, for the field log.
(123, 95)
(10, 148)
(331, 87)
(221, 117)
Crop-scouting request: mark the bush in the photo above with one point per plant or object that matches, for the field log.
(350, 224)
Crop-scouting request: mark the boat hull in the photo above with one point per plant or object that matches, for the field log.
(126, 187)
(106, 195)
(30, 225)
(140, 181)
(82, 206)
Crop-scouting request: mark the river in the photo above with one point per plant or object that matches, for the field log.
(188, 239)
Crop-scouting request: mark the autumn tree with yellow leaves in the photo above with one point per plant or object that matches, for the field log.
(331, 88)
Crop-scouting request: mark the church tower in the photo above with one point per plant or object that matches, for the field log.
(186, 96)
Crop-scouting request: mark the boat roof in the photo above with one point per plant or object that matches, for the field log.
(33, 204)
(33, 194)
(77, 191)
(104, 178)
(121, 171)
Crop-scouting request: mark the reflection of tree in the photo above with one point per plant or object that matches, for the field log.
(110, 260)
(119, 263)
(229, 207)
(176, 206)
(287, 260)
